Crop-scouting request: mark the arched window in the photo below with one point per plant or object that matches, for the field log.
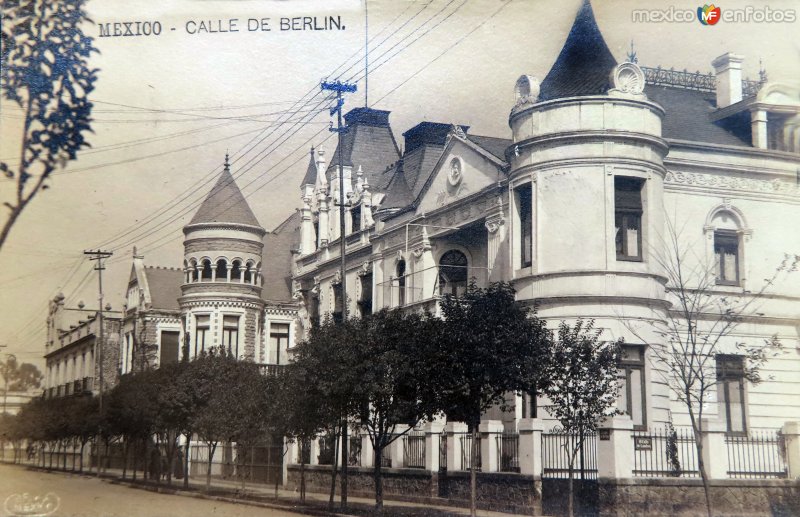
(222, 270)
(236, 271)
(401, 282)
(453, 273)
(193, 273)
(728, 230)
(258, 278)
(206, 274)
(248, 273)
(187, 274)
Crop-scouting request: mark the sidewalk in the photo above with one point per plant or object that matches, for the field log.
(264, 496)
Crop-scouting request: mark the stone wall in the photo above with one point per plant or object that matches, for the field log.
(685, 497)
(496, 491)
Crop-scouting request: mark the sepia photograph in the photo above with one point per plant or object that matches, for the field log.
(416, 258)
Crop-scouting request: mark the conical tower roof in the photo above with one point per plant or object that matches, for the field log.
(585, 63)
(225, 203)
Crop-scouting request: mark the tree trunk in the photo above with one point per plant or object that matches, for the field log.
(333, 470)
(473, 475)
(377, 475)
(345, 460)
(303, 472)
(211, 450)
(186, 462)
(83, 446)
(146, 462)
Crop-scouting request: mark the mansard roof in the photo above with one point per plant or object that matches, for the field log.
(369, 143)
(225, 204)
(585, 63)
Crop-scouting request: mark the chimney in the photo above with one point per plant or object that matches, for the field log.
(728, 69)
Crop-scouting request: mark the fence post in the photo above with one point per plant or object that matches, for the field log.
(490, 430)
(791, 436)
(715, 452)
(615, 448)
(367, 451)
(454, 432)
(530, 446)
(433, 435)
(396, 452)
(313, 451)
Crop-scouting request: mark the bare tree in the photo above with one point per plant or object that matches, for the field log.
(686, 339)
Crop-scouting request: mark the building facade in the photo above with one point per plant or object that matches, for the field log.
(604, 161)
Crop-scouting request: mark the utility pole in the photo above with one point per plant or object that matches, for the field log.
(99, 255)
(340, 88)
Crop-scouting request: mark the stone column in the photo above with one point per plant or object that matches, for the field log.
(615, 448)
(313, 447)
(230, 268)
(496, 227)
(367, 451)
(715, 453)
(433, 437)
(791, 433)
(758, 125)
(396, 453)
(530, 446)
(489, 431)
(454, 430)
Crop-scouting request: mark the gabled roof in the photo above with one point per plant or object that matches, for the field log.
(165, 287)
(225, 204)
(277, 259)
(493, 145)
(585, 63)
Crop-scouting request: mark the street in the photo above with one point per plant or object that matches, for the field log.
(87, 496)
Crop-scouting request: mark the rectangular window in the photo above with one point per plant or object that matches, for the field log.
(726, 257)
(355, 215)
(202, 334)
(230, 334)
(628, 217)
(278, 343)
(338, 314)
(169, 346)
(313, 308)
(632, 399)
(525, 232)
(529, 405)
(365, 300)
(730, 389)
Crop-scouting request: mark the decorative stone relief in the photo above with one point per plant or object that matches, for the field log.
(628, 81)
(337, 277)
(716, 181)
(365, 269)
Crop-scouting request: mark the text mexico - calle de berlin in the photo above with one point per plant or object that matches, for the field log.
(227, 25)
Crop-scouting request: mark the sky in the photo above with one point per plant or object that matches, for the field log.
(167, 108)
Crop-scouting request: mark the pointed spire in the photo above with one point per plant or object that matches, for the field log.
(585, 63)
(311, 171)
(225, 203)
(227, 163)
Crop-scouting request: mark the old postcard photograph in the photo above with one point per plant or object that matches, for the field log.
(410, 257)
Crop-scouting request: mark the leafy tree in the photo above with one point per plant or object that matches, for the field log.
(324, 385)
(388, 361)
(19, 376)
(488, 345)
(175, 409)
(132, 414)
(581, 385)
(44, 69)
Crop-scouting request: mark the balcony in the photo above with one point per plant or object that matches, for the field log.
(271, 370)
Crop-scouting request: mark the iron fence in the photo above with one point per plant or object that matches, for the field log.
(258, 464)
(354, 451)
(758, 455)
(664, 453)
(327, 450)
(508, 451)
(466, 452)
(414, 450)
(557, 448)
(443, 452)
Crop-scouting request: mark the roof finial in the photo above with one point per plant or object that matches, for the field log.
(227, 163)
(632, 55)
(762, 72)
